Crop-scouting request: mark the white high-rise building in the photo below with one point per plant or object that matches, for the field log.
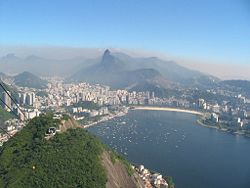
(30, 98)
(7, 100)
(22, 98)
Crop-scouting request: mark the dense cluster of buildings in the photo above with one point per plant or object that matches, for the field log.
(151, 180)
(27, 98)
(227, 115)
(11, 127)
(59, 96)
(230, 110)
(26, 105)
(80, 112)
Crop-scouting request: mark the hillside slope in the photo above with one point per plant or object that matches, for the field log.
(122, 71)
(242, 86)
(27, 79)
(117, 172)
(117, 73)
(73, 158)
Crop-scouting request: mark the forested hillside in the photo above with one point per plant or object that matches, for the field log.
(70, 159)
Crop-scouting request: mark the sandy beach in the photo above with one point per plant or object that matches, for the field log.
(167, 109)
(106, 118)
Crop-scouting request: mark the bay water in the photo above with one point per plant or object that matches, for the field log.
(174, 144)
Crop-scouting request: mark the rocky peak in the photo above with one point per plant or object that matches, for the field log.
(107, 52)
(107, 58)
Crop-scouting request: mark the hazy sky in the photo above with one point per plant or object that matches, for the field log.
(216, 31)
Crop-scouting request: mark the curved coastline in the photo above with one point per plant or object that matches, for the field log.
(223, 129)
(150, 108)
(199, 122)
(106, 118)
(156, 108)
(169, 109)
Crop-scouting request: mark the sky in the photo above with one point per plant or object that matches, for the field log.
(199, 31)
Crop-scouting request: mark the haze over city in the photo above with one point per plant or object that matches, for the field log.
(125, 93)
(210, 36)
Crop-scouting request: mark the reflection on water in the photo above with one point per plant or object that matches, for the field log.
(173, 144)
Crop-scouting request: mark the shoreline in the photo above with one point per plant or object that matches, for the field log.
(106, 118)
(169, 109)
(155, 108)
(222, 129)
(208, 126)
(150, 108)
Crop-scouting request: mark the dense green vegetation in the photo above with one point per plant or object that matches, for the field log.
(27, 79)
(42, 94)
(238, 85)
(4, 115)
(65, 117)
(69, 159)
(169, 179)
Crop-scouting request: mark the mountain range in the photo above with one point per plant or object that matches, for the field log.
(115, 69)
(11, 64)
(122, 71)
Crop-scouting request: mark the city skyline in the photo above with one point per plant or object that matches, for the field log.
(125, 93)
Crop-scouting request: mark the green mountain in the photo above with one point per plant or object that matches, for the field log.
(4, 115)
(27, 79)
(72, 158)
(242, 86)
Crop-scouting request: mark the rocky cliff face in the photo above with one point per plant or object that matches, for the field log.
(117, 174)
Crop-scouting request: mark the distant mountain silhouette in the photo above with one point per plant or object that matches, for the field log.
(113, 71)
(112, 68)
(122, 71)
(170, 70)
(111, 63)
(12, 64)
(27, 79)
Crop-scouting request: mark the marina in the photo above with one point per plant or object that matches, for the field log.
(174, 145)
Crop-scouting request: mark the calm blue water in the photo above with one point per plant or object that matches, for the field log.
(173, 144)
